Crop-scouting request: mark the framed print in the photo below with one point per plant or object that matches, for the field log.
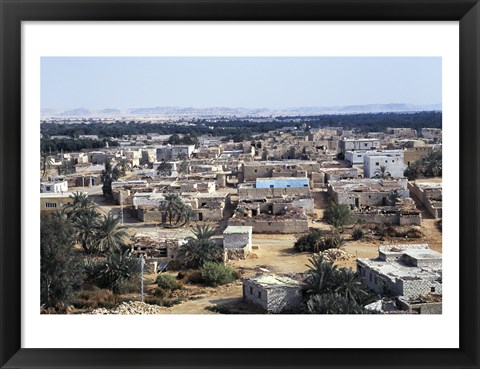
(239, 184)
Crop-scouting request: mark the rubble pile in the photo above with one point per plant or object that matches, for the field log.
(131, 308)
(332, 255)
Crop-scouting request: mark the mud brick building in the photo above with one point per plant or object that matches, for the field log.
(367, 191)
(430, 194)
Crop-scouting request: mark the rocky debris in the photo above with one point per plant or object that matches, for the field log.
(131, 308)
(332, 255)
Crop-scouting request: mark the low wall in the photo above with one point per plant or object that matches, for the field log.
(149, 216)
(283, 226)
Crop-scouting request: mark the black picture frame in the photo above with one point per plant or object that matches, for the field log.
(13, 12)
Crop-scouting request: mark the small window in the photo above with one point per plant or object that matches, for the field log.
(50, 205)
(377, 163)
(48, 188)
(251, 290)
(432, 289)
(371, 277)
(163, 252)
(375, 280)
(271, 186)
(393, 161)
(255, 171)
(288, 186)
(359, 156)
(259, 295)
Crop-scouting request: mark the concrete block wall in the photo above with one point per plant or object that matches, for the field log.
(237, 240)
(420, 287)
(275, 299)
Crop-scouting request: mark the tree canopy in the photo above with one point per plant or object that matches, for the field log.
(61, 270)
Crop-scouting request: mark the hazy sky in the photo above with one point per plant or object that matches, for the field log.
(251, 82)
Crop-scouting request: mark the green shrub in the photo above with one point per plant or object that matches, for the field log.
(318, 241)
(358, 233)
(171, 302)
(94, 298)
(331, 241)
(159, 292)
(214, 274)
(153, 300)
(168, 282)
(309, 242)
(194, 276)
(124, 285)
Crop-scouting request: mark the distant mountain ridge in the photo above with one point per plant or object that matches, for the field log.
(174, 111)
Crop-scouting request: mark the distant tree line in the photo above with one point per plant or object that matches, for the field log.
(243, 129)
(67, 145)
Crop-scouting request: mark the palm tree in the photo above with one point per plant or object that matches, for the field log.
(320, 276)
(200, 249)
(113, 270)
(195, 253)
(349, 286)
(164, 169)
(86, 227)
(176, 211)
(81, 203)
(110, 235)
(123, 165)
(203, 232)
(47, 163)
(338, 215)
(382, 172)
(109, 175)
(332, 303)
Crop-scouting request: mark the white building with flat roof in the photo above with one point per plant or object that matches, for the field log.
(393, 164)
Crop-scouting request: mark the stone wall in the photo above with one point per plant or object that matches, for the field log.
(235, 254)
(276, 299)
(419, 287)
(149, 215)
(281, 225)
(245, 193)
(378, 218)
(265, 169)
(209, 214)
(390, 218)
(425, 195)
(147, 201)
(410, 219)
(421, 308)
